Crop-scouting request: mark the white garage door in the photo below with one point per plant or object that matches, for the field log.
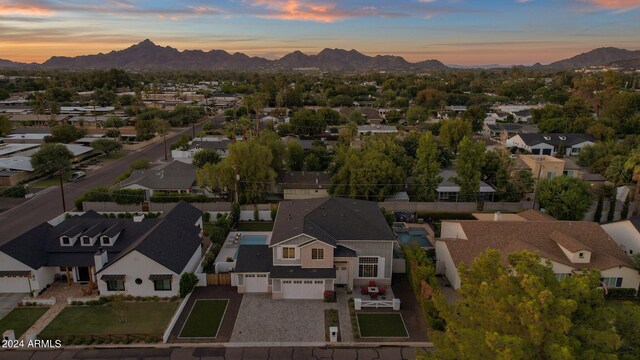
(302, 289)
(11, 284)
(255, 283)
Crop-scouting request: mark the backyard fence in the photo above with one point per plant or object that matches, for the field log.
(219, 279)
(361, 303)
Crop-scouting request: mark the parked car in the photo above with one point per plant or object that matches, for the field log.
(77, 176)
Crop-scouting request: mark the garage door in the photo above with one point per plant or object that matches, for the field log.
(14, 284)
(302, 289)
(255, 283)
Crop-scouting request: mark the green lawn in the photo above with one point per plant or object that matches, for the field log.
(53, 180)
(205, 318)
(381, 325)
(255, 226)
(21, 319)
(141, 318)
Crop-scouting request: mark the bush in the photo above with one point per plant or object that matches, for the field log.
(16, 191)
(274, 212)
(163, 197)
(621, 293)
(128, 196)
(256, 215)
(235, 213)
(206, 216)
(188, 281)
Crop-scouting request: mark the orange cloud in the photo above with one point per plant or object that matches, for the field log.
(25, 10)
(616, 4)
(301, 10)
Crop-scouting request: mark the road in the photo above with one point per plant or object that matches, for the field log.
(221, 353)
(47, 204)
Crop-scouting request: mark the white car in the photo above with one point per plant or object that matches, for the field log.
(77, 176)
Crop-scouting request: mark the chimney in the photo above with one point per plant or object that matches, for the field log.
(497, 216)
(100, 258)
(138, 218)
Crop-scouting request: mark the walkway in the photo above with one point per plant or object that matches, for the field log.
(61, 292)
(346, 331)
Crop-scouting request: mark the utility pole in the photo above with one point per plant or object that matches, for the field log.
(164, 136)
(64, 207)
(535, 194)
(237, 181)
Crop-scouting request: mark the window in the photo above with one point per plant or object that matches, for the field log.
(318, 282)
(562, 276)
(308, 282)
(317, 254)
(65, 240)
(288, 253)
(551, 175)
(581, 255)
(613, 282)
(162, 285)
(105, 240)
(86, 240)
(115, 285)
(138, 281)
(368, 267)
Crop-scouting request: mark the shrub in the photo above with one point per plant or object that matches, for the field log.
(256, 215)
(206, 216)
(235, 213)
(188, 281)
(16, 191)
(163, 197)
(128, 196)
(621, 293)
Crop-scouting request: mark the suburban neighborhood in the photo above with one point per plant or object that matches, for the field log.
(263, 203)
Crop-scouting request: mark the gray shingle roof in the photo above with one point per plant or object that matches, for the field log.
(556, 139)
(330, 219)
(175, 175)
(343, 251)
(254, 258)
(305, 180)
(170, 240)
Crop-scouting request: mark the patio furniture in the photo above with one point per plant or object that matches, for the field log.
(372, 283)
(374, 296)
(383, 290)
(363, 290)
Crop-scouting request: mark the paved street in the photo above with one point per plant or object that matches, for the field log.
(219, 353)
(48, 204)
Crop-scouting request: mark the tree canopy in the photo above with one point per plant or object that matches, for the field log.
(564, 198)
(51, 158)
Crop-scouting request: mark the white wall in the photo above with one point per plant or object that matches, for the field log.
(452, 230)
(7, 263)
(136, 265)
(445, 264)
(247, 215)
(630, 277)
(625, 235)
(194, 262)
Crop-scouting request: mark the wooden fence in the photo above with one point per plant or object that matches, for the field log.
(219, 279)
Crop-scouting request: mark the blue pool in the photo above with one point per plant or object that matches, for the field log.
(253, 240)
(418, 236)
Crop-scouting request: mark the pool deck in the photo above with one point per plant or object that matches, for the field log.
(230, 248)
(431, 236)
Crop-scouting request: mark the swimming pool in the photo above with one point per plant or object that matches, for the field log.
(253, 240)
(418, 236)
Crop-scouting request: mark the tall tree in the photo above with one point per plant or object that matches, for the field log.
(469, 168)
(296, 156)
(107, 146)
(427, 168)
(564, 198)
(453, 131)
(519, 310)
(5, 126)
(206, 156)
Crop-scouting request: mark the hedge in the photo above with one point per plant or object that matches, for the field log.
(621, 293)
(163, 197)
(16, 191)
(128, 196)
(422, 278)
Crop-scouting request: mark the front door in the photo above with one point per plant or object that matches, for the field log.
(342, 274)
(82, 274)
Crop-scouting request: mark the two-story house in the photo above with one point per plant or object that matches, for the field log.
(139, 256)
(318, 244)
(570, 246)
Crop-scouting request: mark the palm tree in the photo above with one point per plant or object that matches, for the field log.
(633, 164)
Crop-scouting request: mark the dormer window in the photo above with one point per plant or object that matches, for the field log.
(65, 240)
(581, 255)
(86, 241)
(105, 241)
(547, 138)
(562, 137)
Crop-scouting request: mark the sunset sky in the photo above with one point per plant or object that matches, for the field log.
(454, 31)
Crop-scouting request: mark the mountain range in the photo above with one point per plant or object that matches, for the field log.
(148, 56)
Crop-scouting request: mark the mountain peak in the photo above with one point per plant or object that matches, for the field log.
(145, 43)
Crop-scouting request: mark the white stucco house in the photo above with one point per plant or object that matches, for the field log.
(139, 256)
(570, 246)
(626, 233)
(317, 244)
(550, 144)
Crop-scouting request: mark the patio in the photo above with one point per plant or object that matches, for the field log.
(388, 295)
(233, 241)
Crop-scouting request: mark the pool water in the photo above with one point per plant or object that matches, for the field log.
(253, 240)
(414, 236)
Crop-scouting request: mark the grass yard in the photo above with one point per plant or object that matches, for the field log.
(142, 318)
(381, 325)
(21, 319)
(204, 319)
(255, 226)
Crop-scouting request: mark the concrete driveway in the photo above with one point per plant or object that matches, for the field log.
(8, 302)
(262, 319)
